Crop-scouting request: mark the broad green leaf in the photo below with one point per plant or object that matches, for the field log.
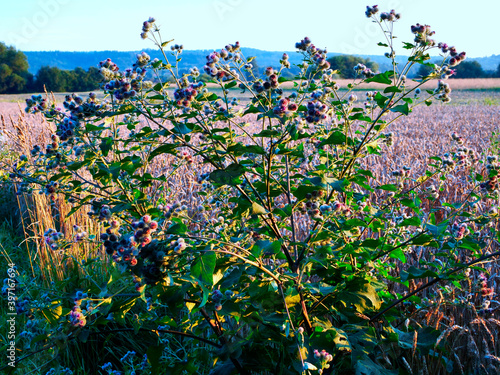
(228, 176)
(384, 78)
(335, 138)
(403, 108)
(380, 99)
(366, 366)
(388, 187)
(106, 145)
(257, 209)
(240, 149)
(203, 267)
(391, 89)
(154, 354)
(168, 148)
(177, 228)
(416, 273)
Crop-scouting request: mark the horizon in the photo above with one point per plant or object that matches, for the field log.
(212, 49)
(62, 25)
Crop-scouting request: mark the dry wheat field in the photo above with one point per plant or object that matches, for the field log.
(473, 114)
(474, 339)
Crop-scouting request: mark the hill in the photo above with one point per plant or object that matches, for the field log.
(124, 59)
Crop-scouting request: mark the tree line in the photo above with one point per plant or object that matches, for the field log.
(15, 77)
(466, 69)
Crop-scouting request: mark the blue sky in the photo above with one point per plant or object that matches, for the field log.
(341, 26)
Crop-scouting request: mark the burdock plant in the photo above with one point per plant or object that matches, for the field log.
(284, 259)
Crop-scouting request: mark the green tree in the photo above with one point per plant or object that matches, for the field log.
(82, 80)
(51, 79)
(57, 80)
(88, 80)
(13, 70)
(346, 63)
(469, 69)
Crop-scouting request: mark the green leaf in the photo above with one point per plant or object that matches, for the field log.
(341, 341)
(230, 85)
(203, 267)
(362, 295)
(319, 181)
(302, 190)
(177, 228)
(408, 203)
(403, 108)
(166, 320)
(335, 138)
(156, 97)
(168, 148)
(398, 254)
(388, 187)
(360, 117)
(127, 108)
(392, 89)
(53, 314)
(181, 128)
(106, 145)
(426, 339)
(380, 99)
(167, 42)
(436, 230)
(154, 354)
(207, 97)
(228, 176)
(266, 133)
(92, 127)
(123, 309)
(339, 185)
(253, 109)
(366, 366)
(384, 78)
(257, 209)
(416, 273)
(240, 149)
(292, 297)
(423, 240)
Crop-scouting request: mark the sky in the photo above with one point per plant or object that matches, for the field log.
(275, 25)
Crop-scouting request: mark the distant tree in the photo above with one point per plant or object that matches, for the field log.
(346, 63)
(13, 70)
(88, 80)
(57, 80)
(469, 69)
(51, 79)
(498, 71)
(70, 81)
